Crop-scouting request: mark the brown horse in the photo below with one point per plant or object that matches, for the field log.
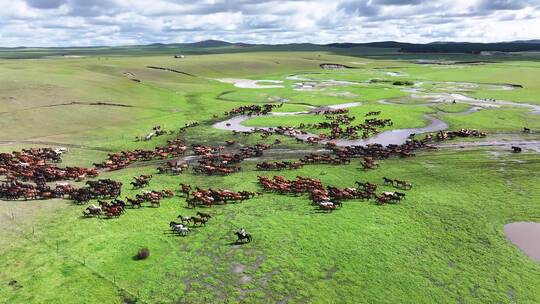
(204, 215)
(200, 221)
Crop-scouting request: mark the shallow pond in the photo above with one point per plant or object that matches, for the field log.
(526, 236)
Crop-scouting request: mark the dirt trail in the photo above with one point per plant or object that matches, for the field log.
(531, 145)
(170, 70)
(72, 103)
(52, 143)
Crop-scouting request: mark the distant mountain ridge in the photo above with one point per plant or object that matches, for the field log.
(449, 47)
(219, 46)
(433, 47)
(209, 43)
(535, 41)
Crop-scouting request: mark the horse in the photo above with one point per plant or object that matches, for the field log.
(382, 199)
(179, 228)
(183, 218)
(402, 184)
(388, 181)
(327, 206)
(243, 237)
(516, 149)
(134, 203)
(185, 189)
(199, 220)
(92, 210)
(115, 211)
(204, 215)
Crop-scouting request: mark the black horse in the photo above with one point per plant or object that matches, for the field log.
(516, 149)
(243, 237)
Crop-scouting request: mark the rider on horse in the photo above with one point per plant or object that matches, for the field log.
(242, 232)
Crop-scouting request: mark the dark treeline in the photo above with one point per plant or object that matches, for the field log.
(452, 47)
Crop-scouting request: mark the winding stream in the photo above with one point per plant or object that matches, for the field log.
(397, 137)
(445, 97)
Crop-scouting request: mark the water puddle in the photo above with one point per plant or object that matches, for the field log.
(252, 84)
(395, 74)
(526, 236)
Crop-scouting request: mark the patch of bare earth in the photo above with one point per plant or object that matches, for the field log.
(239, 277)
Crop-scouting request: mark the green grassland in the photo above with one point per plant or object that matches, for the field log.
(499, 120)
(443, 244)
(452, 108)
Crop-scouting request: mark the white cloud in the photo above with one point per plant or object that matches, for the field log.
(117, 22)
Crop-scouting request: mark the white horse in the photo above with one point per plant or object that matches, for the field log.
(326, 204)
(181, 229)
(149, 136)
(93, 210)
(60, 150)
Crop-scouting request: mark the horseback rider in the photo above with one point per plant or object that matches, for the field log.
(242, 232)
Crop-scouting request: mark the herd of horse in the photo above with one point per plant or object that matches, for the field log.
(141, 181)
(341, 126)
(252, 110)
(328, 111)
(325, 158)
(120, 160)
(396, 183)
(116, 207)
(227, 163)
(328, 198)
(15, 190)
(182, 227)
(98, 189)
(156, 132)
(446, 135)
(210, 197)
(173, 167)
(279, 165)
(40, 166)
(153, 197)
(29, 172)
(112, 209)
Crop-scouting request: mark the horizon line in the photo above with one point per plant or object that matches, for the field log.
(525, 41)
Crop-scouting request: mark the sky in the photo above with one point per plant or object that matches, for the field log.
(127, 22)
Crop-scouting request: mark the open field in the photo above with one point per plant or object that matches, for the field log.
(443, 243)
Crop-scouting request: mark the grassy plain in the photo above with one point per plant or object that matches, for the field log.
(443, 244)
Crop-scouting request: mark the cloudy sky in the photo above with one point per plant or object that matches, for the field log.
(121, 22)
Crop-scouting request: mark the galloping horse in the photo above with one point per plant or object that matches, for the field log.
(179, 228)
(243, 237)
(92, 210)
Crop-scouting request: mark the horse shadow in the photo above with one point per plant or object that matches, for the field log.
(236, 243)
(318, 211)
(174, 234)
